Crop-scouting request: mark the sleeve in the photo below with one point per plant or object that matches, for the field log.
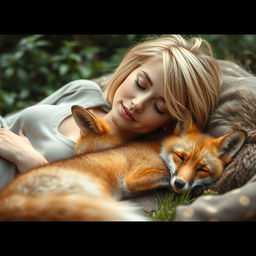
(236, 205)
(71, 92)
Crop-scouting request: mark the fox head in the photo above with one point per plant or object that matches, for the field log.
(196, 159)
(95, 134)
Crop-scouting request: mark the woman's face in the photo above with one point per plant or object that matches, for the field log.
(138, 104)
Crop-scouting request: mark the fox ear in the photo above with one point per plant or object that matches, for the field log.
(230, 144)
(87, 121)
(185, 127)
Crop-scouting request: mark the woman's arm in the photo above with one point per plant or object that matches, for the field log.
(18, 150)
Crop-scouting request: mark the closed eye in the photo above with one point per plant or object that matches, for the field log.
(157, 108)
(202, 170)
(180, 157)
(139, 84)
(142, 87)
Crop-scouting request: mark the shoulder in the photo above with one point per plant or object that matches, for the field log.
(84, 84)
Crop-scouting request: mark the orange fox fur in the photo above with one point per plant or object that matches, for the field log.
(89, 186)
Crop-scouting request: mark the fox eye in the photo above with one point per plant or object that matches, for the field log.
(182, 159)
(202, 170)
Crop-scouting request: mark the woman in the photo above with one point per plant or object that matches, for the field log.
(156, 83)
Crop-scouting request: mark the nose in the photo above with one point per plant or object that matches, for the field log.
(138, 103)
(179, 183)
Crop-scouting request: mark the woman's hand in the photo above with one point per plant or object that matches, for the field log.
(19, 150)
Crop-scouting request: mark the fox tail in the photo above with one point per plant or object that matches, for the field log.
(67, 207)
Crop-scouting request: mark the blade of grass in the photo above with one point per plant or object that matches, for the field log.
(168, 205)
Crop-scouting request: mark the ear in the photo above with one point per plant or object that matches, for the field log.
(185, 127)
(230, 144)
(87, 121)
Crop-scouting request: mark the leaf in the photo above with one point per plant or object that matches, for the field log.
(75, 57)
(42, 43)
(22, 74)
(63, 69)
(24, 93)
(18, 55)
(84, 71)
(9, 72)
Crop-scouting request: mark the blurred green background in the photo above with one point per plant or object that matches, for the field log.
(34, 66)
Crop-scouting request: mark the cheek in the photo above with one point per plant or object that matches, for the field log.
(153, 119)
(149, 122)
(125, 90)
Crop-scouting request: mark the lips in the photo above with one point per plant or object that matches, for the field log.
(127, 114)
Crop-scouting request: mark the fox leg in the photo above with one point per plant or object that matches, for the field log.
(148, 179)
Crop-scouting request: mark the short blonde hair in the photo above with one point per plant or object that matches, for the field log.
(192, 76)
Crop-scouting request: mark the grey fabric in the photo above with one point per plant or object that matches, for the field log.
(236, 205)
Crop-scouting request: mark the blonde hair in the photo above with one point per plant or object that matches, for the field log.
(192, 76)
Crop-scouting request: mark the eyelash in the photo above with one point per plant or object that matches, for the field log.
(180, 157)
(138, 84)
(157, 109)
(143, 88)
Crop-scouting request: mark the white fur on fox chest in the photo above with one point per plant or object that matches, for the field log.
(60, 180)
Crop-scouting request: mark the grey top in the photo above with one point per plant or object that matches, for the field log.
(40, 122)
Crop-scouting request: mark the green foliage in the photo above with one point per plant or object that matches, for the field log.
(32, 72)
(168, 205)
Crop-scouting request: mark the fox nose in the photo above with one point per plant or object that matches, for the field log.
(179, 183)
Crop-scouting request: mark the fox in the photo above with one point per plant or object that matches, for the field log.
(92, 185)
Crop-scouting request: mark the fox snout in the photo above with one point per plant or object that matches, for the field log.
(179, 185)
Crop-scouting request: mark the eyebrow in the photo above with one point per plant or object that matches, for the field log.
(148, 78)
